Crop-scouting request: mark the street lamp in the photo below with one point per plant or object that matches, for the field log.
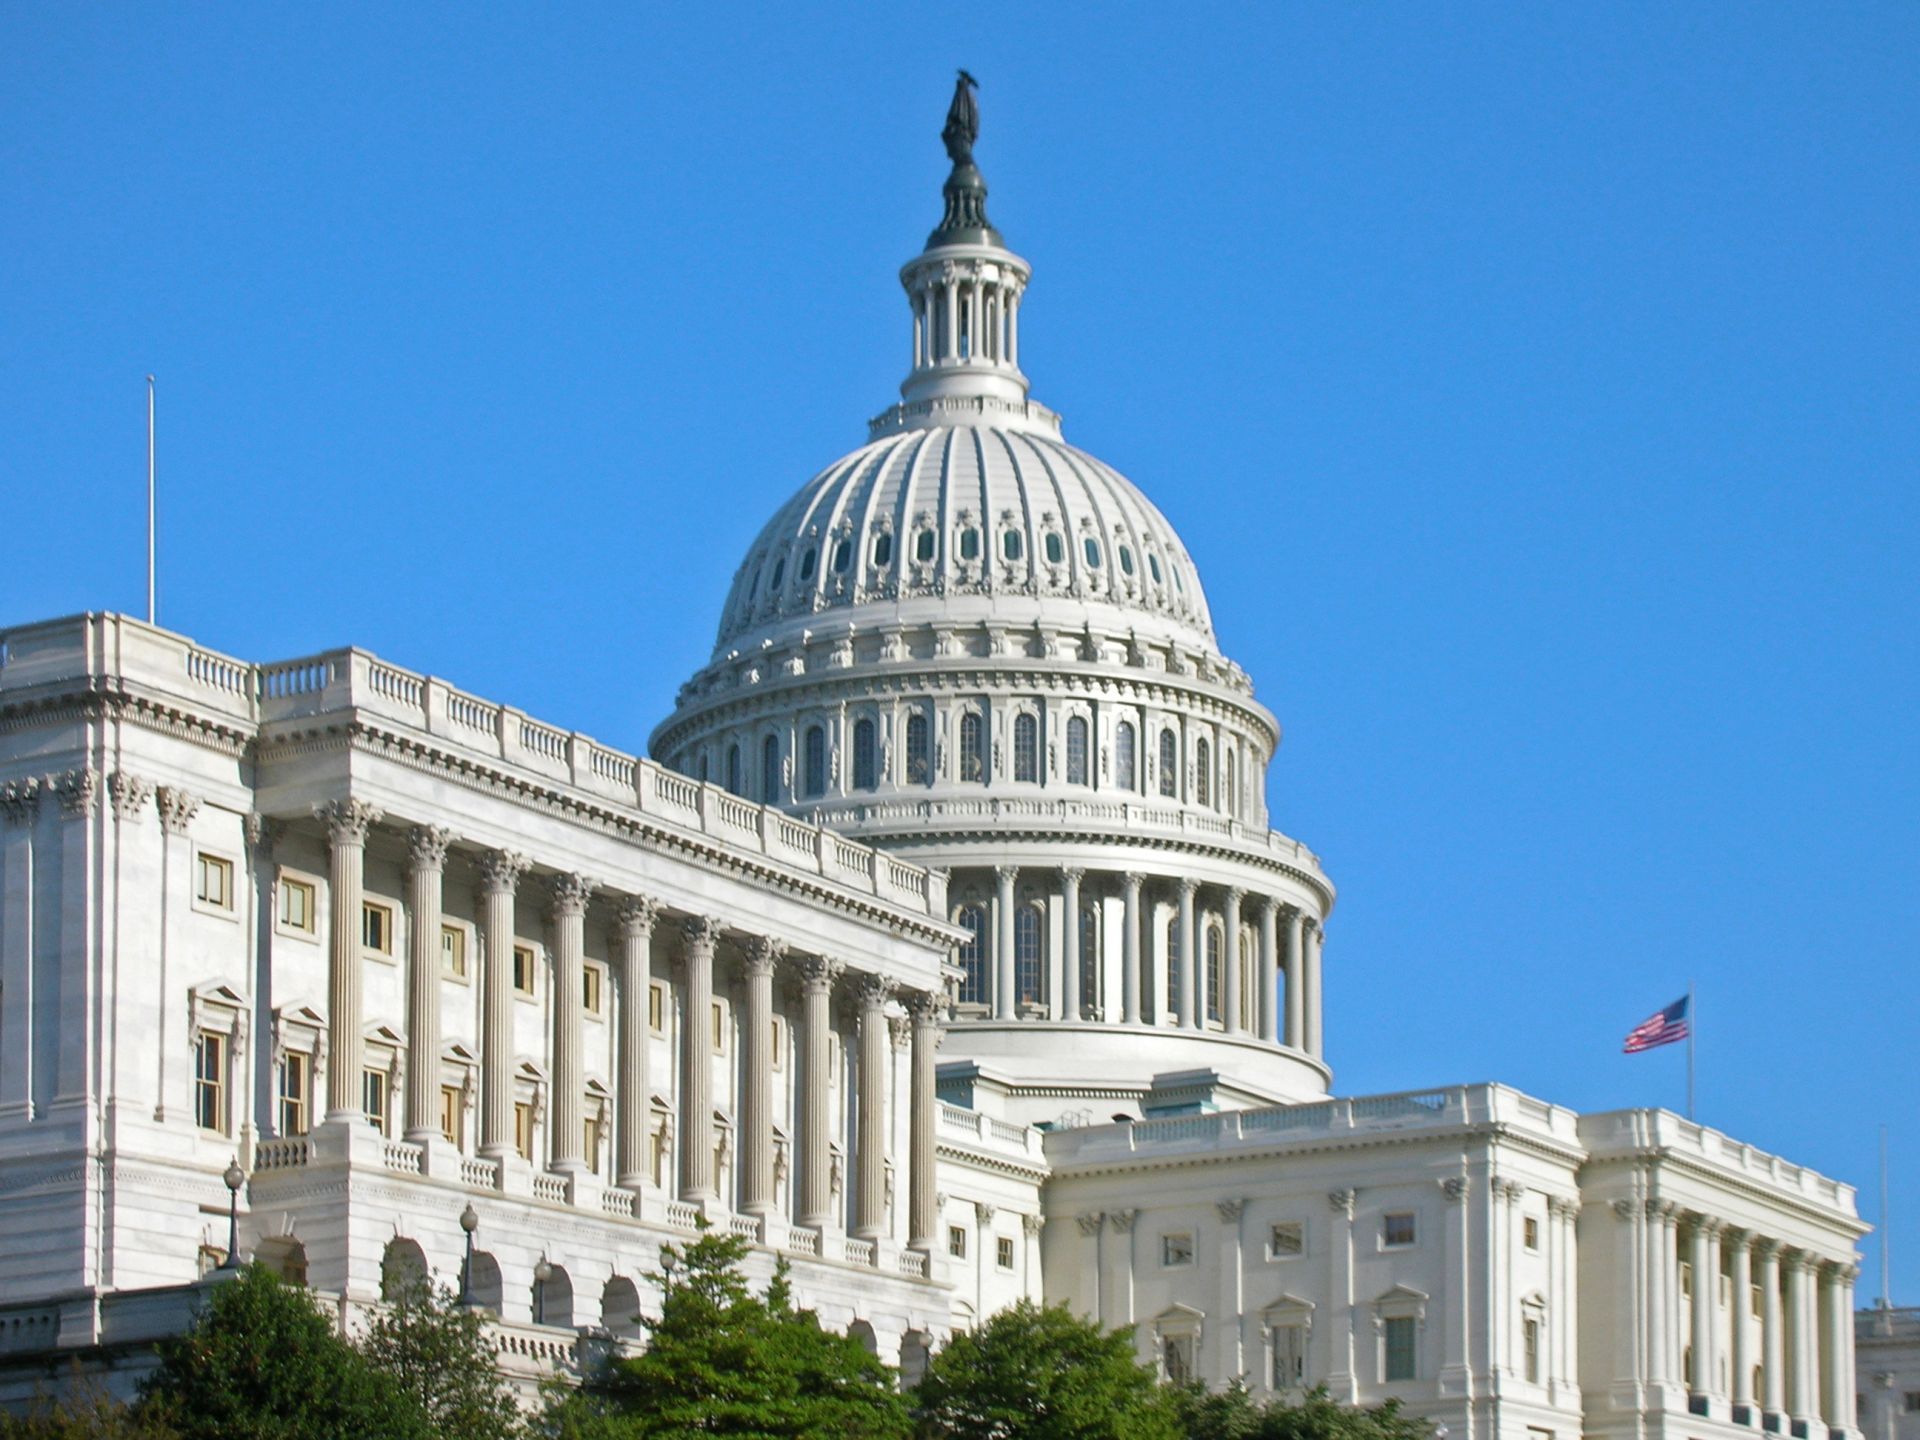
(669, 1262)
(469, 1222)
(235, 1178)
(542, 1272)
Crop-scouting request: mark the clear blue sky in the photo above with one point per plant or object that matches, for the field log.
(1535, 387)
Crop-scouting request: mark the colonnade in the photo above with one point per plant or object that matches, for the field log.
(979, 304)
(1157, 981)
(1778, 1354)
(636, 920)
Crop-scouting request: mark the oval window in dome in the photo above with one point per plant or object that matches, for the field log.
(923, 546)
(779, 574)
(1056, 549)
(807, 563)
(882, 551)
(1178, 583)
(1011, 545)
(969, 544)
(842, 556)
(1153, 564)
(1091, 548)
(1126, 560)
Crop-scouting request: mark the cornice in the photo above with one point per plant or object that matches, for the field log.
(1667, 1158)
(1025, 1170)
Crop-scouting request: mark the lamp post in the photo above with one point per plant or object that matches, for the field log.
(542, 1272)
(235, 1178)
(469, 1222)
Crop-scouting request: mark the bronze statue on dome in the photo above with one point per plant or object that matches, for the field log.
(963, 121)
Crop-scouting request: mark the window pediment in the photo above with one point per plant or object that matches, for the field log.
(1289, 1311)
(1179, 1319)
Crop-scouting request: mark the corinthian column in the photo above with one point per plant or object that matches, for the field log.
(1268, 1017)
(923, 1211)
(1070, 1000)
(1773, 1347)
(817, 974)
(426, 865)
(566, 1136)
(1316, 939)
(1802, 1404)
(870, 1180)
(500, 872)
(1739, 1316)
(1130, 950)
(1004, 876)
(1189, 1014)
(697, 1185)
(1296, 1036)
(1231, 1002)
(756, 1101)
(347, 823)
(634, 926)
(1703, 1258)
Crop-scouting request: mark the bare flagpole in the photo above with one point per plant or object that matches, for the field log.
(150, 499)
(1886, 1265)
(1693, 1024)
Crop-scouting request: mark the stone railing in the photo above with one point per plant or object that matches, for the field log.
(975, 1128)
(683, 1216)
(1662, 1130)
(478, 1171)
(913, 1263)
(859, 1252)
(284, 1154)
(551, 1188)
(803, 1242)
(406, 1157)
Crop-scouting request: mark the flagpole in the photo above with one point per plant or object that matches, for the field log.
(150, 499)
(1693, 1024)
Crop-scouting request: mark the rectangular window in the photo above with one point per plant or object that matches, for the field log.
(592, 988)
(295, 1070)
(376, 927)
(1289, 1357)
(210, 1082)
(373, 1097)
(957, 1242)
(523, 969)
(297, 906)
(1530, 1233)
(213, 881)
(719, 1027)
(1176, 1352)
(450, 1112)
(1686, 1279)
(523, 1129)
(1530, 1333)
(1286, 1239)
(1913, 1402)
(657, 1009)
(453, 952)
(1003, 1251)
(1398, 1341)
(777, 1043)
(1397, 1228)
(590, 1140)
(1176, 1249)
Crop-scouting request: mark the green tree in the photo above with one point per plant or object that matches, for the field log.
(721, 1361)
(261, 1362)
(1233, 1415)
(86, 1412)
(1042, 1374)
(439, 1355)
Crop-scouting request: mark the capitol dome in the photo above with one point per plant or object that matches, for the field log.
(975, 645)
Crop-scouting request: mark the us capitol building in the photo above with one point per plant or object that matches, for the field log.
(943, 947)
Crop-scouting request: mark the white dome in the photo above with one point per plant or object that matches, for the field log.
(999, 508)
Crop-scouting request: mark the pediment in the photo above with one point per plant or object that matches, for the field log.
(1289, 1309)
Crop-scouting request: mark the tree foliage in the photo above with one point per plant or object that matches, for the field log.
(86, 1412)
(721, 1361)
(1042, 1374)
(439, 1355)
(1233, 1414)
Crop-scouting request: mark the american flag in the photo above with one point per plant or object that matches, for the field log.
(1664, 1027)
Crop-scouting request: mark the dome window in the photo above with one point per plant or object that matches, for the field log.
(1026, 749)
(1011, 545)
(923, 546)
(807, 563)
(1169, 763)
(770, 770)
(882, 551)
(1203, 774)
(1029, 954)
(736, 782)
(1126, 561)
(816, 762)
(969, 544)
(1056, 549)
(973, 954)
(779, 575)
(1178, 583)
(1077, 751)
(973, 761)
(1153, 566)
(1091, 548)
(865, 768)
(919, 753)
(842, 556)
(1123, 755)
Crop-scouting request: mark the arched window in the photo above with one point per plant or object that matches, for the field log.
(807, 563)
(1089, 959)
(973, 760)
(969, 544)
(1011, 545)
(1056, 549)
(779, 575)
(923, 544)
(1153, 564)
(1169, 763)
(1029, 954)
(1026, 748)
(865, 768)
(1126, 561)
(1077, 751)
(1123, 756)
(770, 770)
(736, 781)
(754, 588)
(882, 550)
(816, 762)
(842, 556)
(1213, 972)
(1090, 547)
(973, 954)
(1202, 773)
(919, 752)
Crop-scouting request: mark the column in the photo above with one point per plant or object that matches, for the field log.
(1269, 970)
(1130, 949)
(1296, 1035)
(1316, 938)
(923, 1210)
(426, 867)
(566, 1127)
(73, 1036)
(756, 1100)
(1070, 878)
(19, 809)
(1231, 998)
(696, 1062)
(1660, 1282)
(1800, 1396)
(870, 1163)
(1773, 1346)
(1190, 1015)
(347, 823)
(500, 872)
(633, 927)
(1836, 1323)
(817, 974)
(1703, 1256)
(1740, 1321)
(1004, 876)
(1013, 330)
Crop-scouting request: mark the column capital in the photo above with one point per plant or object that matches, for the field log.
(983, 1212)
(1073, 874)
(347, 820)
(567, 895)
(702, 933)
(427, 847)
(1293, 914)
(20, 801)
(1765, 1248)
(1706, 1225)
(763, 953)
(924, 1006)
(818, 972)
(1091, 1223)
(1007, 874)
(1186, 886)
(178, 807)
(635, 916)
(130, 793)
(1236, 894)
(1454, 1187)
(1839, 1272)
(1734, 1237)
(263, 831)
(500, 871)
(1133, 880)
(900, 1031)
(1032, 1223)
(1341, 1202)
(1229, 1211)
(1122, 1220)
(873, 991)
(79, 792)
